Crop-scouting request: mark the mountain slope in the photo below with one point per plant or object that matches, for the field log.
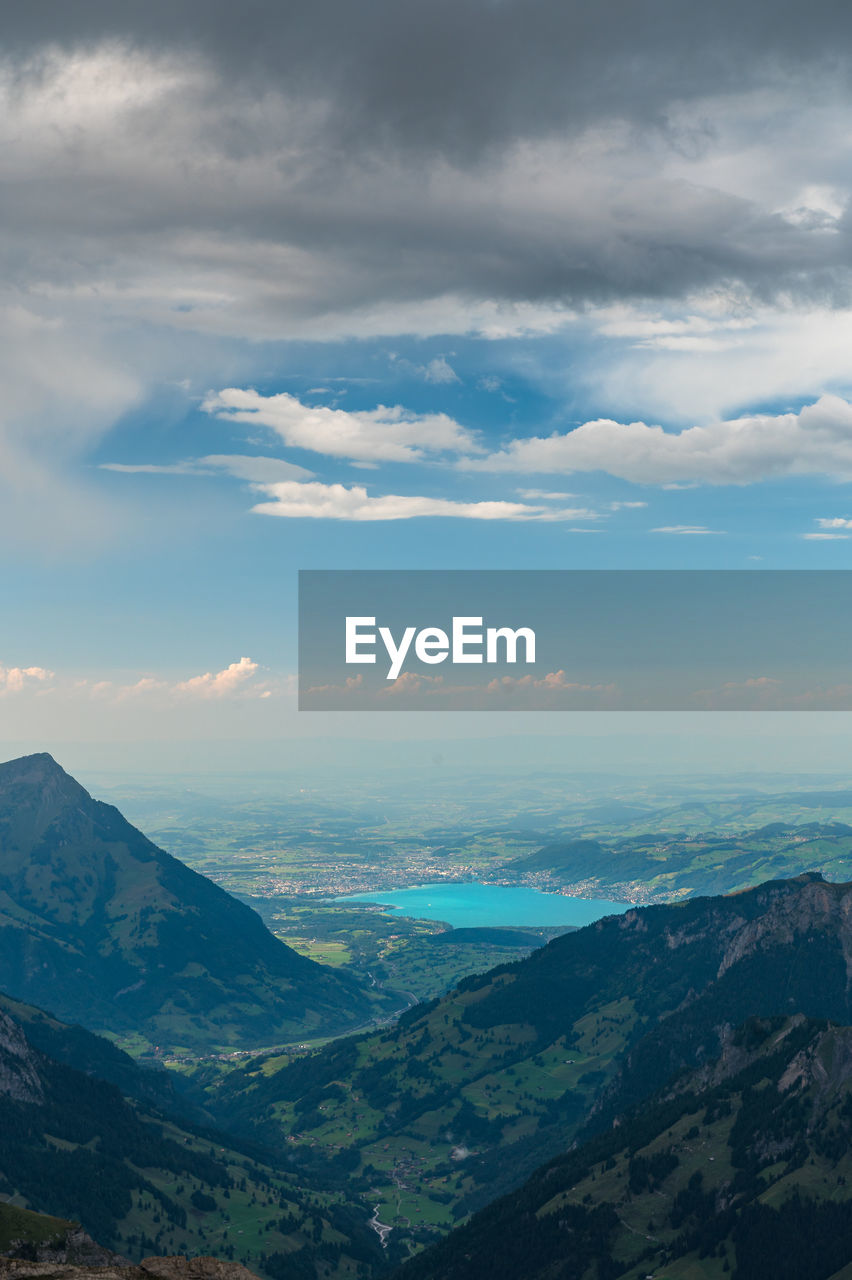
(465, 1096)
(76, 1047)
(139, 1182)
(102, 927)
(744, 1170)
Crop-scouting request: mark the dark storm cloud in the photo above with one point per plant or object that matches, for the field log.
(244, 167)
(461, 75)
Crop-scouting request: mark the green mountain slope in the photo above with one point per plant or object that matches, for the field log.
(103, 928)
(465, 1096)
(21, 1230)
(141, 1183)
(76, 1047)
(744, 1170)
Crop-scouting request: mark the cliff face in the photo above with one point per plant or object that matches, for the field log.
(816, 907)
(19, 1078)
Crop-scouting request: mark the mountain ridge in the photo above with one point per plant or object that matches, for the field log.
(104, 928)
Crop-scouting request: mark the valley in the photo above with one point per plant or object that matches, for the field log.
(349, 1089)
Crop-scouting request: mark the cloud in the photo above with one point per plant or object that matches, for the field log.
(670, 186)
(412, 682)
(554, 682)
(547, 495)
(413, 689)
(17, 679)
(830, 529)
(239, 679)
(221, 683)
(351, 684)
(243, 467)
(234, 679)
(762, 352)
(815, 441)
(336, 502)
(313, 203)
(438, 371)
(685, 529)
(381, 434)
(62, 390)
(458, 78)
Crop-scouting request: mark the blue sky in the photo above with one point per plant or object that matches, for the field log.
(447, 286)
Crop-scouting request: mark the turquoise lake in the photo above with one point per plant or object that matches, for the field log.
(466, 906)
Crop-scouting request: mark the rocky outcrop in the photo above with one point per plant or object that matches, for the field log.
(814, 905)
(73, 1246)
(180, 1268)
(176, 1268)
(19, 1078)
(825, 1065)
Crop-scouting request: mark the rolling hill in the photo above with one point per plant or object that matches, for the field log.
(663, 863)
(103, 928)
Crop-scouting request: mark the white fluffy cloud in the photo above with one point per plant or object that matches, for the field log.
(220, 683)
(337, 502)
(16, 679)
(815, 441)
(236, 679)
(830, 529)
(371, 435)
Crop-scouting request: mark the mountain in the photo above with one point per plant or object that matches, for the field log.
(465, 1096)
(103, 928)
(140, 1180)
(743, 1169)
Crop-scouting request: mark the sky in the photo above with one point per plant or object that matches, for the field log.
(481, 284)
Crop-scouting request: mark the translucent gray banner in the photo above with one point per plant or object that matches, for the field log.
(560, 640)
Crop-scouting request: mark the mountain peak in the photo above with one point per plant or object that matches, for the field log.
(40, 767)
(39, 789)
(105, 928)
